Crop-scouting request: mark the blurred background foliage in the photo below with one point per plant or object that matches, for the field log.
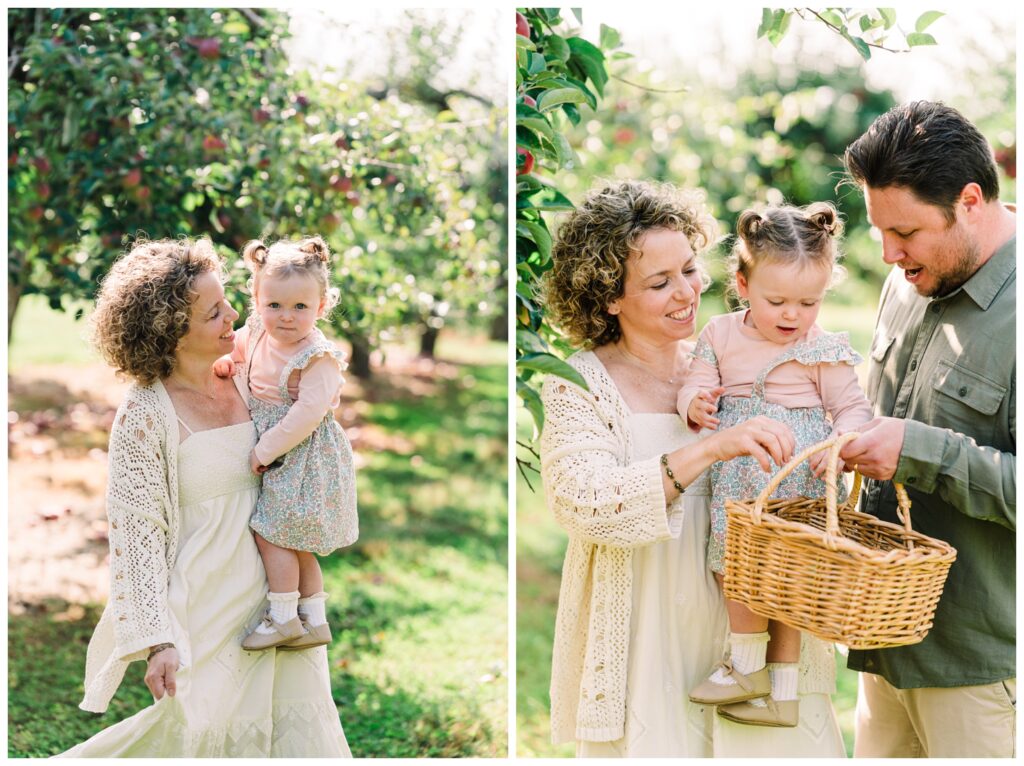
(162, 123)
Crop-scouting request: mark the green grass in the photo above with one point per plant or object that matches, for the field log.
(419, 603)
(43, 336)
(540, 546)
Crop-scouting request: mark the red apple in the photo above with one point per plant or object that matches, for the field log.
(353, 198)
(330, 222)
(142, 194)
(390, 179)
(224, 219)
(341, 183)
(624, 135)
(302, 101)
(12, 159)
(36, 213)
(522, 25)
(132, 178)
(208, 47)
(212, 144)
(526, 166)
(44, 191)
(42, 165)
(342, 143)
(91, 139)
(261, 115)
(530, 101)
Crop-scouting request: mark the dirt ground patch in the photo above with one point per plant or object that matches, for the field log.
(59, 419)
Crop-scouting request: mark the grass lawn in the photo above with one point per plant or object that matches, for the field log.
(419, 604)
(540, 547)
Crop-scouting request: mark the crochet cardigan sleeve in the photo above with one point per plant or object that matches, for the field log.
(138, 504)
(590, 489)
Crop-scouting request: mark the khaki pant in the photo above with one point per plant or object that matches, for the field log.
(958, 722)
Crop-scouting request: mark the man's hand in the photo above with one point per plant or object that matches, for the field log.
(876, 452)
(703, 409)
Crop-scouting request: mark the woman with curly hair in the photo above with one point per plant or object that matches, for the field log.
(186, 579)
(640, 617)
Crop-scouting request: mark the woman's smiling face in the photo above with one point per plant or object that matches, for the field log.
(210, 332)
(661, 293)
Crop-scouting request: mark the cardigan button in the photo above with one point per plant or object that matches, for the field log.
(962, 391)
(117, 551)
(122, 618)
(113, 524)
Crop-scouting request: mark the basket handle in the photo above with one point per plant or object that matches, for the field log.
(834, 445)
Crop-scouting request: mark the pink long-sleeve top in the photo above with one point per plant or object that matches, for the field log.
(742, 353)
(316, 389)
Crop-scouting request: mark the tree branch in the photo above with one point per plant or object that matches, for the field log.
(839, 32)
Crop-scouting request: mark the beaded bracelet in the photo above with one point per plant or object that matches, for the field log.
(157, 649)
(679, 487)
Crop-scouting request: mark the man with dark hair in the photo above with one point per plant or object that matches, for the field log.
(942, 379)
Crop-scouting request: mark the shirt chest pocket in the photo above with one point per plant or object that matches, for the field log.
(880, 346)
(964, 400)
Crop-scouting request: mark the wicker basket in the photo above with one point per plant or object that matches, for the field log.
(836, 573)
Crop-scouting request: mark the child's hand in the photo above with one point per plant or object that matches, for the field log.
(224, 367)
(703, 408)
(254, 463)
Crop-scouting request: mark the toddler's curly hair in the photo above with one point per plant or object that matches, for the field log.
(593, 244)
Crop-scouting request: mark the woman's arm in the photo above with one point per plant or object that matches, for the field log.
(596, 498)
(138, 500)
(318, 387)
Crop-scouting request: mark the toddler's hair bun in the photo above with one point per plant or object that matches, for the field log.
(315, 246)
(750, 226)
(255, 254)
(825, 217)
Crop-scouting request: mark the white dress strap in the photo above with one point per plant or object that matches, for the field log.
(183, 425)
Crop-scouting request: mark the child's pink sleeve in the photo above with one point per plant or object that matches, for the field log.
(241, 343)
(318, 388)
(842, 396)
(703, 373)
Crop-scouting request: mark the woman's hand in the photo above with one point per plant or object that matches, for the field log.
(762, 438)
(160, 675)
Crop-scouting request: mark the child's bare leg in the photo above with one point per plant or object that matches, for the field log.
(785, 643)
(741, 619)
(282, 566)
(311, 579)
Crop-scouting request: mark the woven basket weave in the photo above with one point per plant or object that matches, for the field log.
(838, 574)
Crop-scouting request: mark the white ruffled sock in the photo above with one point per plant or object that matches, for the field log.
(747, 652)
(283, 607)
(784, 676)
(313, 609)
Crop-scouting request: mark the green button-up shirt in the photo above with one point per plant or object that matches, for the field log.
(948, 366)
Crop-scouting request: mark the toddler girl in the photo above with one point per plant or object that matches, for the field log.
(771, 359)
(307, 503)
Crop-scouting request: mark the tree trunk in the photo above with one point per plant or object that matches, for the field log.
(428, 340)
(15, 275)
(359, 364)
(499, 324)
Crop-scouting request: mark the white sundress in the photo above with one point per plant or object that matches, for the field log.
(229, 702)
(678, 630)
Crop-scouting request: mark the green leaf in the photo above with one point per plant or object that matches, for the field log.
(536, 233)
(551, 365)
(530, 342)
(578, 13)
(526, 138)
(537, 125)
(236, 27)
(926, 19)
(920, 38)
(550, 199)
(551, 99)
(888, 16)
(833, 18)
(532, 402)
(862, 47)
(610, 38)
(590, 60)
(535, 63)
(556, 48)
(780, 27)
(766, 22)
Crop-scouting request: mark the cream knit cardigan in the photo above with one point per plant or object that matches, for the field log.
(144, 521)
(609, 505)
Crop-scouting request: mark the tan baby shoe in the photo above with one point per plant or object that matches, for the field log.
(315, 635)
(282, 634)
(747, 687)
(773, 713)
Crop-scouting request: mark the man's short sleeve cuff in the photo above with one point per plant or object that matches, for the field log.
(921, 457)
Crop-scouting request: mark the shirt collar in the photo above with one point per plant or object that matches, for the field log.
(987, 281)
